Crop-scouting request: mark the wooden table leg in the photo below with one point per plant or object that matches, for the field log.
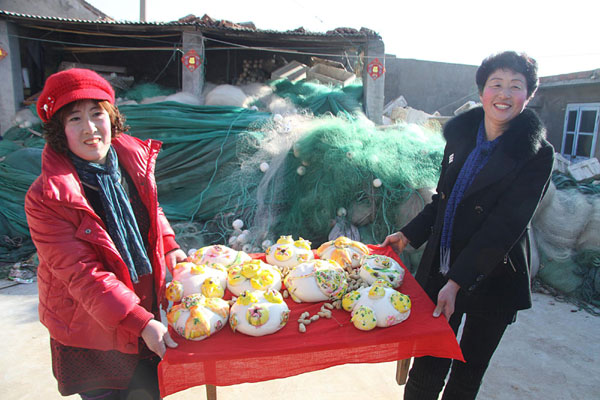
(402, 371)
(211, 392)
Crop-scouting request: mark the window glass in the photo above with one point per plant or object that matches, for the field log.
(588, 120)
(580, 131)
(569, 143)
(572, 120)
(584, 145)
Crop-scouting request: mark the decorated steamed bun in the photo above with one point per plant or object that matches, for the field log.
(381, 267)
(197, 317)
(316, 280)
(259, 313)
(376, 305)
(219, 254)
(346, 252)
(190, 278)
(253, 275)
(289, 253)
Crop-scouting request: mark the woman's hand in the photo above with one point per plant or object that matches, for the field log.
(173, 257)
(157, 338)
(446, 300)
(397, 240)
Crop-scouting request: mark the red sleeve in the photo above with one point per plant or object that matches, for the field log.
(136, 320)
(71, 254)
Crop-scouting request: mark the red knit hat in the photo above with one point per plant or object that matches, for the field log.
(71, 85)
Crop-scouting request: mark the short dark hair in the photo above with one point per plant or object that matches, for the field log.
(54, 129)
(516, 62)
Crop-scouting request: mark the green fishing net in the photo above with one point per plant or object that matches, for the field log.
(199, 142)
(199, 146)
(144, 91)
(328, 171)
(564, 181)
(221, 163)
(321, 99)
(18, 170)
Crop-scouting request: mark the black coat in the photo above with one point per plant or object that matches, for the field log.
(490, 246)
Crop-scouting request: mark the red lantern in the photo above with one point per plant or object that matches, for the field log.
(3, 53)
(375, 68)
(191, 60)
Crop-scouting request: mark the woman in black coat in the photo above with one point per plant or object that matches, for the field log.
(496, 167)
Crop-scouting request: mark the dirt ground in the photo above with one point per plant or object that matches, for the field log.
(552, 352)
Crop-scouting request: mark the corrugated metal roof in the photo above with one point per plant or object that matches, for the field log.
(83, 21)
(201, 27)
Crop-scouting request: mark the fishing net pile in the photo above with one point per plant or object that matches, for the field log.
(20, 164)
(328, 176)
(222, 163)
(566, 231)
(318, 99)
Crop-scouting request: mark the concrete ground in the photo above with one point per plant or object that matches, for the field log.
(552, 352)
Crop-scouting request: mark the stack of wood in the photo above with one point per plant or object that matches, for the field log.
(253, 71)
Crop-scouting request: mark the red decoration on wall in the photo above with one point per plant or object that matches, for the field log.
(375, 68)
(3, 53)
(191, 60)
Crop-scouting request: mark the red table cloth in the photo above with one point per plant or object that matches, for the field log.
(229, 358)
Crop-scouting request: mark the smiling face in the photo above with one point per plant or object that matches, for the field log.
(504, 96)
(87, 128)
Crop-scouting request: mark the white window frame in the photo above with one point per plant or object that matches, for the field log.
(579, 107)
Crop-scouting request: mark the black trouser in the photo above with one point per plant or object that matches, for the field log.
(480, 337)
(143, 385)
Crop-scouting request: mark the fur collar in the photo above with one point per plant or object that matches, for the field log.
(524, 137)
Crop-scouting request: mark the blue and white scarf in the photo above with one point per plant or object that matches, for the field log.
(475, 162)
(119, 217)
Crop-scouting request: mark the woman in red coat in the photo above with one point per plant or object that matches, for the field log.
(103, 243)
(496, 167)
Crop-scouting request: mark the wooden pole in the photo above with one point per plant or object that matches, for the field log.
(211, 392)
(402, 371)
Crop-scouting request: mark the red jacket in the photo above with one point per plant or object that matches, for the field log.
(85, 292)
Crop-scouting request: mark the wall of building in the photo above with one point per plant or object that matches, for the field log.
(11, 84)
(430, 86)
(551, 103)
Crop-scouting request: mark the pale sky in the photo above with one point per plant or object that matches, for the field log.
(562, 36)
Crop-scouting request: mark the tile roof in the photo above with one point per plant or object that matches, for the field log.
(204, 24)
